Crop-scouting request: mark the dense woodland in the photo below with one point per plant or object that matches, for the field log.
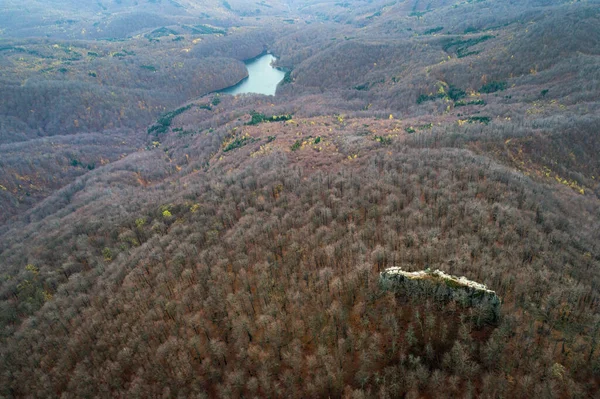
(158, 239)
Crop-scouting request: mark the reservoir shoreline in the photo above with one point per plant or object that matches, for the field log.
(263, 77)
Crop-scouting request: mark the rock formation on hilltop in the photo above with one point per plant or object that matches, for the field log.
(444, 288)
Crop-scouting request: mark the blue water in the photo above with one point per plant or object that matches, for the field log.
(262, 77)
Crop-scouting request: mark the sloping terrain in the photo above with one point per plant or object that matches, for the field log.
(245, 271)
(52, 163)
(108, 19)
(236, 250)
(54, 86)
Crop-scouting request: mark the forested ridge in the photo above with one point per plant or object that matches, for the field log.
(177, 242)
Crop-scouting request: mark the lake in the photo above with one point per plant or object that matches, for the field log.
(262, 78)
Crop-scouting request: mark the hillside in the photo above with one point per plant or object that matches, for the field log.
(108, 19)
(57, 86)
(205, 245)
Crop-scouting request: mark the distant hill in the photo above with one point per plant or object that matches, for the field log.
(69, 19)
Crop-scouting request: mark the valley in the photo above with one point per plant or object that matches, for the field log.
(169, 228)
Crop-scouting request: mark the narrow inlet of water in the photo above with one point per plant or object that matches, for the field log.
(262, 78)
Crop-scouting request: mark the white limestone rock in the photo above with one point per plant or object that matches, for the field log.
(445, 288)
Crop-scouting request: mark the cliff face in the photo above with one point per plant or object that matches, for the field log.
(444, 288)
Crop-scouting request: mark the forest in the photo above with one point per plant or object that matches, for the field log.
(160, 239)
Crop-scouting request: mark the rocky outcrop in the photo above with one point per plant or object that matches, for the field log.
(444, 288)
